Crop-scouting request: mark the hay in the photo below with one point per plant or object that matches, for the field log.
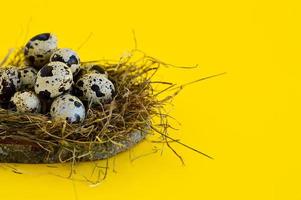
(107, 130)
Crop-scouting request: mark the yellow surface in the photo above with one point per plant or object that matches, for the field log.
(249, 119)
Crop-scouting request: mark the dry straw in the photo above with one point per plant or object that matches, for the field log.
(107, 130)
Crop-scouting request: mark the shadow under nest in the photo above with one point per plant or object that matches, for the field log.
(106, 131)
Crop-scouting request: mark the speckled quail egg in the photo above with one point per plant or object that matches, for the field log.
(98, 70)
(53, 79)
(12, 74)
(7, 90)
(26, 101)
(38, 49)
(67, 56)
(90, 69)
(68, 107)
(28, 77)
(95, 88)
(81, 72)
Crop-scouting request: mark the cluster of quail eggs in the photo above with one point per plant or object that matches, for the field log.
(53, 82)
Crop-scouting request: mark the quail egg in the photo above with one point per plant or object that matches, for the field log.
(28, 77)
(12, 74)
(95, 88)
(98, 70)
(38, 49)
(67, 56)
(7, 90)
(68, 107)
(90, 69)
(53, 79)
(81, 72)
(26, 101)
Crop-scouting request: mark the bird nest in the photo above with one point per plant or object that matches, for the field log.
(107, 129)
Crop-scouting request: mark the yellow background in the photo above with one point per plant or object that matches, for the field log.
(248, 120)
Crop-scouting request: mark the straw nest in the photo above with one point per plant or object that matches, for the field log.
(106, 131)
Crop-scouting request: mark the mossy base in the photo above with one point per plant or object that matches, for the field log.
(18, 152)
